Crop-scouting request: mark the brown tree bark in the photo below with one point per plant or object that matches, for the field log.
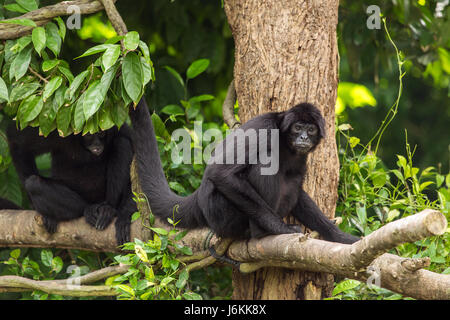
(286, 53)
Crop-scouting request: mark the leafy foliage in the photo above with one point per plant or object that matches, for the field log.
(155, 273)
(39, 89)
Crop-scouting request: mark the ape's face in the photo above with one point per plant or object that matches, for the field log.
(303, 137)
(95, 143)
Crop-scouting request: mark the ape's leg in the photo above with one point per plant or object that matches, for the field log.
(242, 194)
(123, 221)
(309, 214)
(54, 201)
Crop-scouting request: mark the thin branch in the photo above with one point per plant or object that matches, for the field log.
(115, 17)
(44, 15)
(67, 289)
(228, 107)
(37, 75)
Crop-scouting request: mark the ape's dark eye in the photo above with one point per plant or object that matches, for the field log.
(297, 127)
(312, 130)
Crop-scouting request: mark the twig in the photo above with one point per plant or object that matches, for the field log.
(228, 107)
(37, 75)
(44, 15)
(115, 17)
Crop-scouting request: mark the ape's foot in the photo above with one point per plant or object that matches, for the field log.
(50, 224)
(99, 216)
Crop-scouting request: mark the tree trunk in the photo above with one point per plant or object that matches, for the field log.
(286, 53)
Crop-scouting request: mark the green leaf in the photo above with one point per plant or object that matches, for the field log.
(22, 22)
(172, 109)
(51, 87)
(15, 253)
(14, 7)
(39, 39)
(145, 51)
(21, 63)
(132, 75)
(119, 113)
(110, 56)
(48, 65)
(3, 90)
(47, 118)
(23, 91)
(160, 128)
(78, 115)
(46, 258)
(345, 285)
(182, 279)
(62, 27)
(93, 99)
(95, 50)
(76, 83)
(66, 72)
(203, 97)
(131, 40)
(114, 39)
(197, 67)
(361, 212)
(29, 5)
(392, 214)
(29, 109)
(354, 141)
(166, 281)
(175, 74)
(105, 120)
(63, 119)
(57, 264)
(192, 296)
(147, 72)
(180, 235)
(135, 216)
(125, 288)
(53, 38)
(160, 231)
(424, 185)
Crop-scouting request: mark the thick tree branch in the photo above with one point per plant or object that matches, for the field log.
(43, 15)
(403, 275)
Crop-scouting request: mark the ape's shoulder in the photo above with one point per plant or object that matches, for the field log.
(269, 120)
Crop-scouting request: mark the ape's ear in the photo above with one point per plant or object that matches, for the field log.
(320, 122)
(287, 119)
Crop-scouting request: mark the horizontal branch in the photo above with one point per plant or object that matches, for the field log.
(357, 260)
(43, 15)
(402, 275)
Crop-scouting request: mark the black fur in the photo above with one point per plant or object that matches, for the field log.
(6, 204)
(235, 200)
(89, 177)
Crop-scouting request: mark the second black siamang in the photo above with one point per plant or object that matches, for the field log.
(235, 199)
(90, 176)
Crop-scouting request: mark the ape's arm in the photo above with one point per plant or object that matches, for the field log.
(309, 214)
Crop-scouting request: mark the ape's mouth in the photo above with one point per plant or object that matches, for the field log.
(303, 146)
(97, 151)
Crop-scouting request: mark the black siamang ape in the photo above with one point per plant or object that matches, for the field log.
(235, 199)
(89, 176)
